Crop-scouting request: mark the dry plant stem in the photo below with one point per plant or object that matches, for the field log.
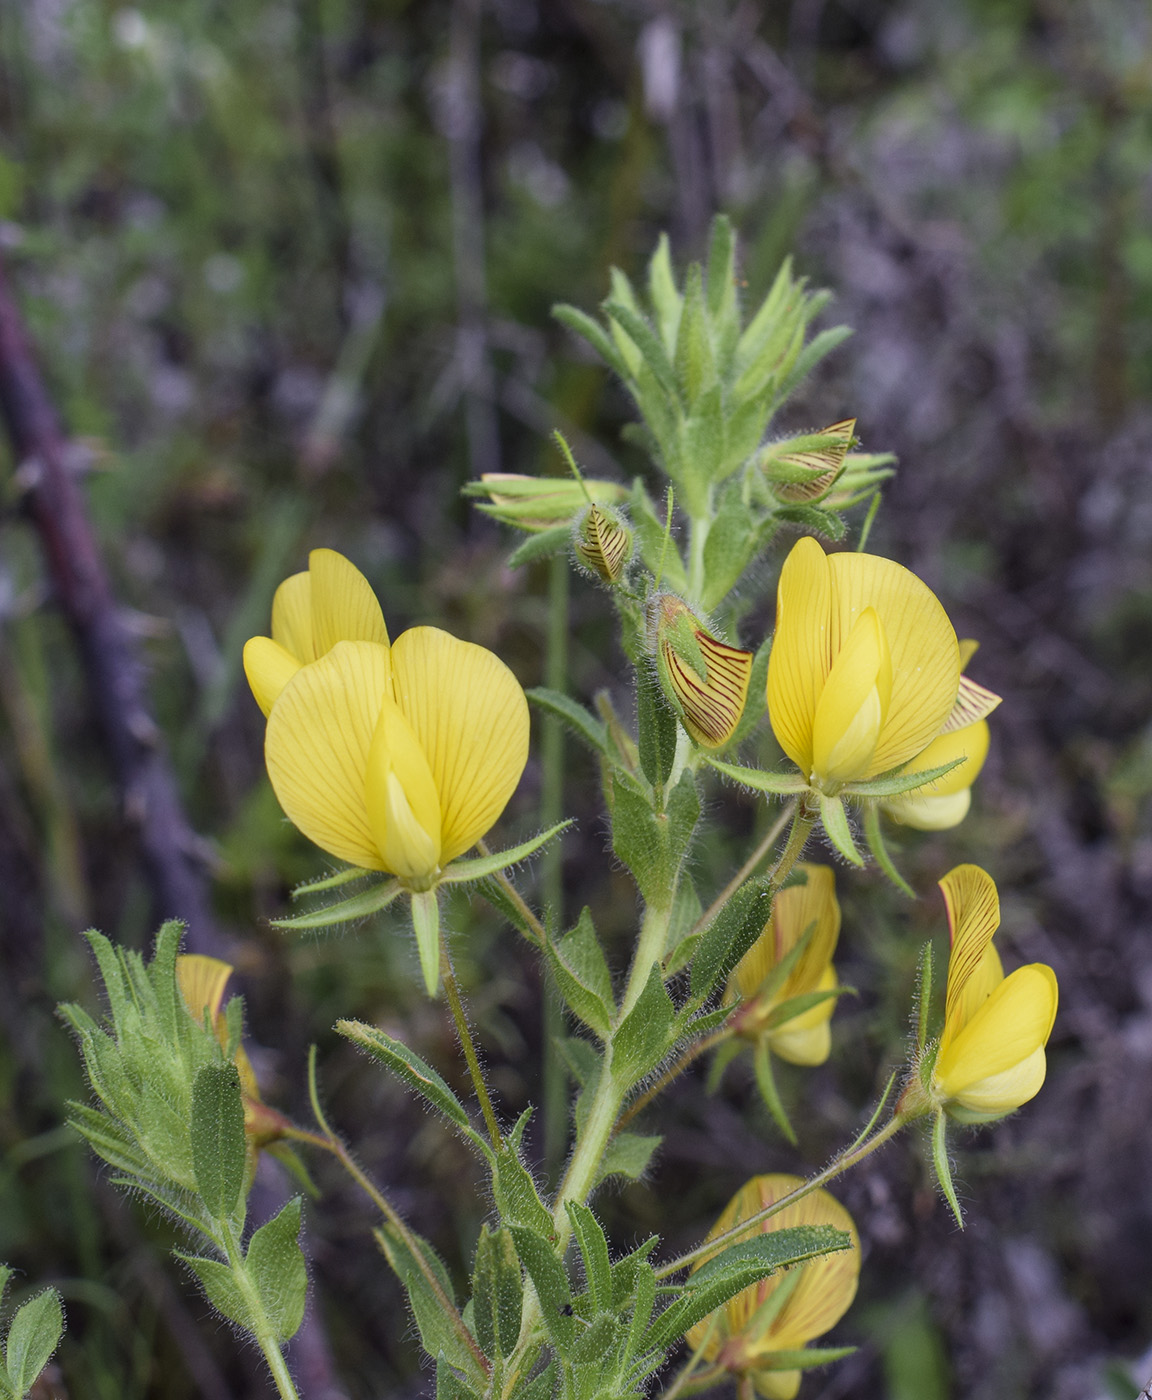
(838, 1165)
(674, 1071)
(329, 1141)
(745, 870)
(468, 1045)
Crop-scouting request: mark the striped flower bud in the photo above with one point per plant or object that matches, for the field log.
(604, 544)
(804, 469)
(705, 679)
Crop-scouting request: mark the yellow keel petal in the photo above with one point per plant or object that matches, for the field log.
(853, 706)
(403, 804)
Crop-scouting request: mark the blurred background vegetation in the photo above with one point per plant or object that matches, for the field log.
(289, 266)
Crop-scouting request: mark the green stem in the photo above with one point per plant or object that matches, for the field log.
(698, 527)
(674, 1071)
(517, 898)
(745, 870)
(842, 1163)
(262, 1329)
(803, 821)
(555, 1076)
(468, 1045)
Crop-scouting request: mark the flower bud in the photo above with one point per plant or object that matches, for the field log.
(804, 469)
(705, 679)
(536, 504)
(604, 544)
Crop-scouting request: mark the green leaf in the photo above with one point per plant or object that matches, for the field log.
(683, 812)
(221, 1289)
(739, 1267)
(275, 1264)
(517, 1198)
(656, 727)
(406, 1065)
(641, 1041)
(438, 1333)
(728, 937)
(593, 333)
(666, 300)
(757, 702)
(541, 546)
(647, 342)
(732, 540)
(581, 1057)
(594, 1251)
(817, 348)
(426, 926)
(628, 1155)
(461, 871)
(582, 975)
(638, 838)
(695, 364)
(450, 1386)
(369, 901)
(835, 821)
(217, 1131)
(552, 1288)
(779, 784)
(943, 1166)
(823, 522)
(583, 724)
(495, 893)
(497, 1292)
(723, 309)
(32, 1338)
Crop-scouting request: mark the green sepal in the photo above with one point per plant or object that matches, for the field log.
(347, 876)
(891, 784)
(275, 1265)
(541, 546)
(875, 839)
(802, 1358)
(497, 1292)
(728, 937)
(426, 926)
(823, 522)
(460, 872)
(740, 1267)
(219, 1148)
(802, 1002)
(628, 1155)
(942, 1166)
(835, 822)
(408, 1066)
(583, 724)
(656, 727)
(369, 901)
(778, 784)
(766, 1083)
(641, 1040)
(923, 998)
(552, 1287)
(582, 975)
(756, 705)
(32, 1338)
(660, 553)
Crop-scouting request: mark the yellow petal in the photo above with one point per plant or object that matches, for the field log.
(925, 655)
(944, 803)
(292, 618)
(1013, 1023)
(403, 804)
(793, 911)
(711, 708)
(973, 917)
(269, 667)
(800, 659)
(319, 735)
(968, 649)
(201, 981)
(344, 608)
(777, 1385)
(973, 702)
(930, 813)
(471, 718)
(853, 706)
(1002, 1093)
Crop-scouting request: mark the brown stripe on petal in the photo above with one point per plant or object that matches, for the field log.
(973, 703)
(711, 708)
(604, 545)
(826, 462)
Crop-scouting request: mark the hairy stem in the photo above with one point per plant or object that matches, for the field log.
(468, 1045)
(261, 1329)
(674, 1071)
(745, 870)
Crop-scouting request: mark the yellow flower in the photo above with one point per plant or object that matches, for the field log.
(395, 758)
(991, 1054)
(804, 1039)
(202, 981)
(748, 1333)
(864, 668)
(945, 802)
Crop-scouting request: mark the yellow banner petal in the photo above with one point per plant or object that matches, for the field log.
(925, 654)
(403, 804)
(800, 658)
(316, 748)
(853, 706)
(292, 618)
(1014, 1022)
(973, 917)
(202, 981)
(344, 608)
(469, 712)
(269, 667)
